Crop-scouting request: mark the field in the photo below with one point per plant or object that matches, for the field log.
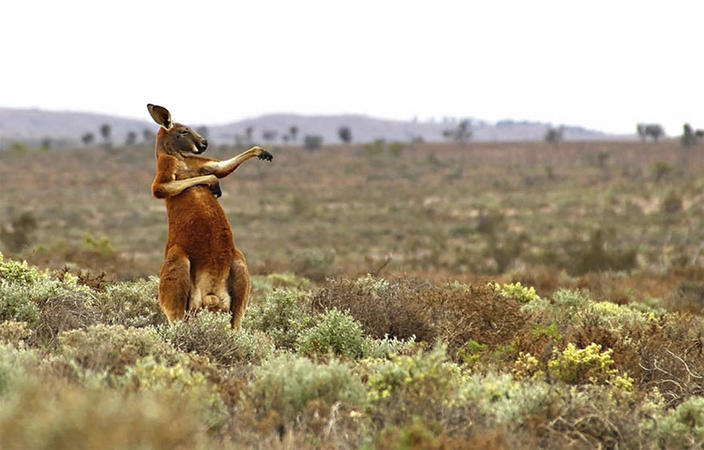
(484, 295)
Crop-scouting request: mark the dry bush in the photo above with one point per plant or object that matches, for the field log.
(132, 304)
(209, 334)
(405, 308)
(424, 436)
(67, 311)
(672, 359)
(112, 348)
(383, 308)
(590, 417)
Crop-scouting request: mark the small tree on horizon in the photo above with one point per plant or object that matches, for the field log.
(345, 134)
(148, 135)
(131, 138)
(461, 134)
(688, 138)
(106, 132)
(554, 135)
(87, 138)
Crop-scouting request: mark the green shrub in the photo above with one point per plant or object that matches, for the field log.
(333, 332)
(16, 364)
(21, 273)
(405, 386)
(565, 304)
(521, 293)
(210, 334)
(389, 346)
(587, 365)
(501, 398)
(178, 379)
(283, 315)
(47, 304)
(613, 317)
(471, 352)
(16, 304)
(682, 427)
(112, 348)
(288, 383)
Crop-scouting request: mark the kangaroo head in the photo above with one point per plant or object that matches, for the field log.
(174, 138)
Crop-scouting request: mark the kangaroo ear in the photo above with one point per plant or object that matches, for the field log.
(161, 115)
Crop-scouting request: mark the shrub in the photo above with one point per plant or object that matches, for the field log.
(334, 332)
(527, 366)
(314, 263)
(272, 281)
(521, 293)
(471, 352)
(288, 384)
(39, 416)
(209, 334)
(132, 304)
(283, 315)
(14, 332)
(383, 308)
(21, 273)
(501, 398)
(595, 256)
(587, 365)
(16, 304)
(389, 346)
(47, 304)
(402, 309)
(16, 364)
(682, 427)
(565, 304)
(596, 416)
(423, 384)
(112, 348)
(672, 203)
(20, 234)
(179, 379)
(619, 318)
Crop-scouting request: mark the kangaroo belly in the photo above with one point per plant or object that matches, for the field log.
(198, 224)
(200, 227)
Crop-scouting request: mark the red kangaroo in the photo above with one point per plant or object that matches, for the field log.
(202, 267)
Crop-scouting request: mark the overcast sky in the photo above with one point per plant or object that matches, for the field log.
(600, 64)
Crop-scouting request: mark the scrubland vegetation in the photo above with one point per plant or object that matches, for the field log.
(536, 295)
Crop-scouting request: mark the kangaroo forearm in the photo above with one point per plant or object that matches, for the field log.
(224, 168)
(173, 188)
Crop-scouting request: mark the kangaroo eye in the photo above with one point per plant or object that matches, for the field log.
(183, 132)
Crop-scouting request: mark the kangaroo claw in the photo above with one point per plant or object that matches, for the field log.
(266, 156)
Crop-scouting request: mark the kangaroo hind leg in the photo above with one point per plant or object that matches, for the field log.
(239, 289)
(175, 284)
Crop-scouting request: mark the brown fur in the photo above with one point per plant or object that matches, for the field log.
(202, 267)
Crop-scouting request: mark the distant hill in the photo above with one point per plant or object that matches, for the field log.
(67, 127)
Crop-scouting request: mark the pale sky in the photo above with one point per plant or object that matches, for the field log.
(600, 64)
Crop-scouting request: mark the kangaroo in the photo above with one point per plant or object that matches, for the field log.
(202, 267)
